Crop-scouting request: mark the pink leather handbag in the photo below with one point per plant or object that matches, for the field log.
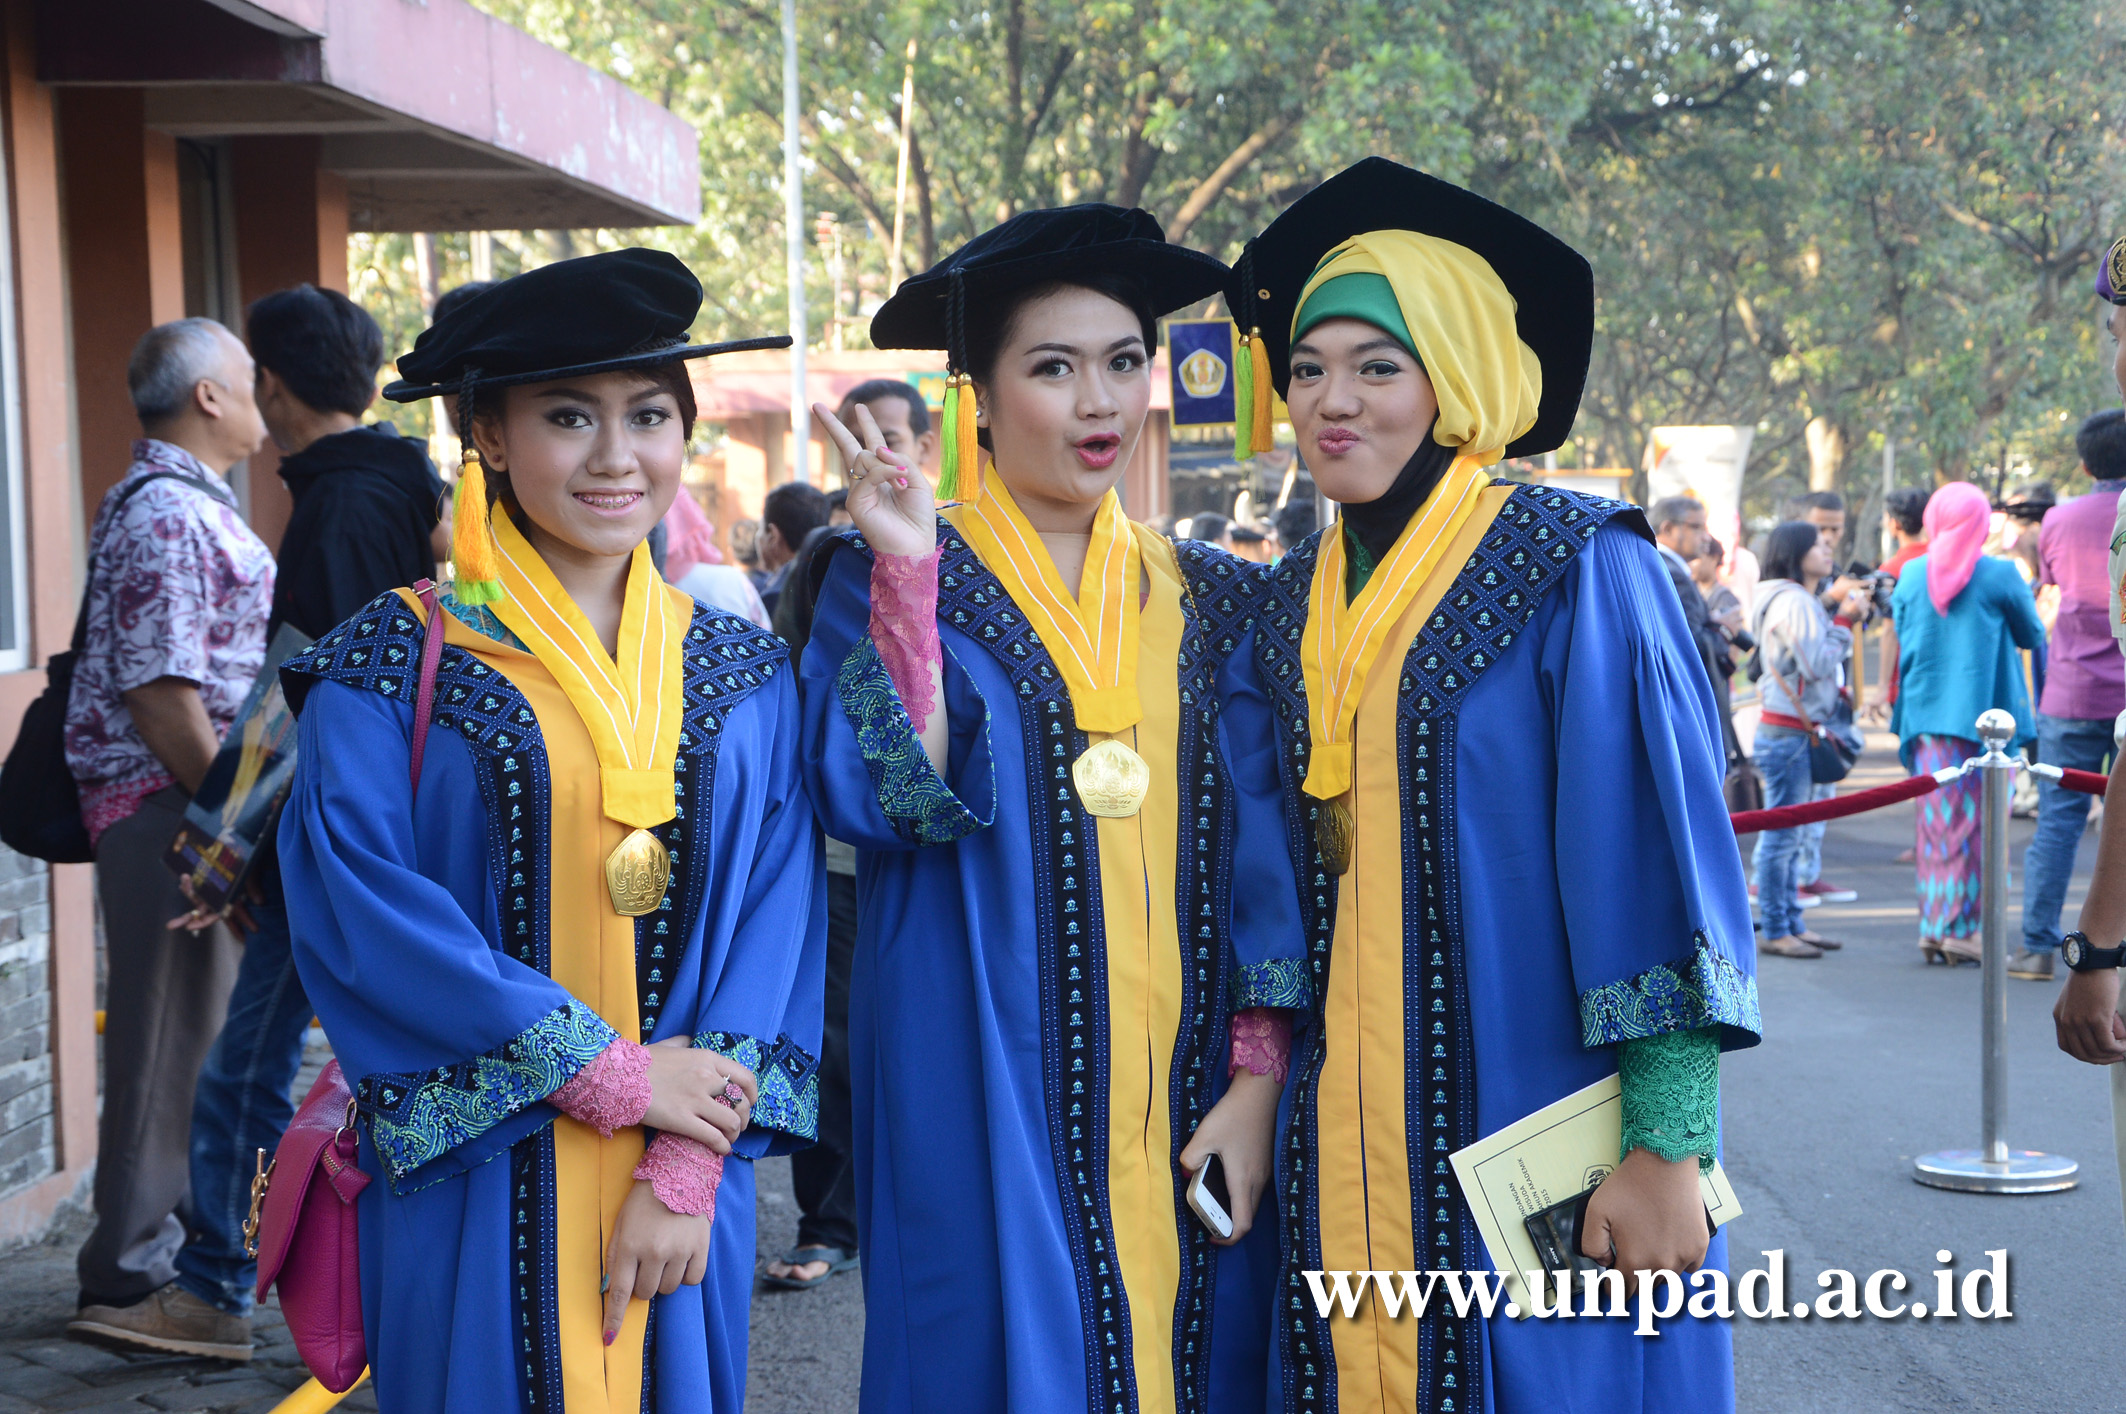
(302, 1230)
(302, 1223)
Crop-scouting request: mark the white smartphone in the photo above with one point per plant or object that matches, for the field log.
(1207, 1195)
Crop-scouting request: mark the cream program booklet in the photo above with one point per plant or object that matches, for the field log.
(1561, 1150)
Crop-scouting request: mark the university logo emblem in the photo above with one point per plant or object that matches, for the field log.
(1203, 374)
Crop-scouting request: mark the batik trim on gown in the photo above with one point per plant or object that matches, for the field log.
(1071, 920)
(422, 1124)
(1532, 538)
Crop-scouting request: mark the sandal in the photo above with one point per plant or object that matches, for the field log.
(1817, 940)
(838, 1260)
(1788, 947)
(1931, 951)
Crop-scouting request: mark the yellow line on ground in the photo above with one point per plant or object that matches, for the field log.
(314, 1398)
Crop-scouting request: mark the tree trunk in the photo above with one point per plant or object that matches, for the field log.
(1826, 441)
(1212, 187)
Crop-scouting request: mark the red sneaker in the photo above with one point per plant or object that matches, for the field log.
(1825, 892)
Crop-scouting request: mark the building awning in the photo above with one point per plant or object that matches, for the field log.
(439, 117)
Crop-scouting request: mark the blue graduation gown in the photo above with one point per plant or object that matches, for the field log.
(995, 1274)
(421, 937)
(1568, 881)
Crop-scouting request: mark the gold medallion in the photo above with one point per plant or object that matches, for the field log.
(636, 873)
(1112, 780)
(1333, 829)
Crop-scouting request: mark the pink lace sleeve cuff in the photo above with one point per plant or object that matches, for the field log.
(612, 1092)
(1262, 1042)
(904, 628)
(683, 1173)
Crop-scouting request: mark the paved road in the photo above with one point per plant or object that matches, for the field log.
(1870, 1058)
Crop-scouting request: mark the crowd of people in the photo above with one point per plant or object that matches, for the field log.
(1978, 606)
(1012, 866)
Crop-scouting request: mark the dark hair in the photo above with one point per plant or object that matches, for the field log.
(1207, 526)
(2102, 444)
(1907, 505)
(1818, 501)
(1786, 547)
(320, 343)
(878, 389)
(1297, 521)
(1713, 548)
(1670, 509)
(448, 301)
(1244, 534)
(837, 500)
(990, 323)
(796, 510)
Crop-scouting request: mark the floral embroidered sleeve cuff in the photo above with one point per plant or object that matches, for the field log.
(788, 1076)
(1278, 982)
(683, 1173)
(610, 1093)
(904, 627)
(418, 1118)
(1262, 1043)
(1671, 1088)
(917, 803)
(1703, 988)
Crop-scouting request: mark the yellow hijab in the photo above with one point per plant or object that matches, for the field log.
(1461, 319)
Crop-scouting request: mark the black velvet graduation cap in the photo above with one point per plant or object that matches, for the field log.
(603, 313)
(1033, 248)
(1551, 283)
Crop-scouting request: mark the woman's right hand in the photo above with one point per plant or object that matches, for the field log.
(687, 1093)
(889, 499)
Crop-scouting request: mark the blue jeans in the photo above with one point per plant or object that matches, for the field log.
(1782, 757)
(242, 1106)
(2082, 744)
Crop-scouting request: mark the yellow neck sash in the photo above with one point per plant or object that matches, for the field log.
(1093, 637)
(631, 707)
(1343, 639)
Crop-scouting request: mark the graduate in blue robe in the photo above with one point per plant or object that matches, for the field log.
(1040, 1004)
(1503, 764)
(472, 953)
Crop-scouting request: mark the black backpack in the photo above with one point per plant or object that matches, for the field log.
(40, 805)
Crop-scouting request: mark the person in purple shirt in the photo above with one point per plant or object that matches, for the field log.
(2085, 682)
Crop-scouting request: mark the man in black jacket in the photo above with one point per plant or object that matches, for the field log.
(366, 504)
(366, 499)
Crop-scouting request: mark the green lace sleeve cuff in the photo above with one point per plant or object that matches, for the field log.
(915, 800)
(1671, 1094)
(1703, 988)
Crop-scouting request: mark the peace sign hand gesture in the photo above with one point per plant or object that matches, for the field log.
(889, 499)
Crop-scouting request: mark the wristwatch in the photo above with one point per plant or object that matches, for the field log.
(2081, 955)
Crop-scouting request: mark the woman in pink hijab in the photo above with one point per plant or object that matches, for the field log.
(1961, 618)
(694, 565)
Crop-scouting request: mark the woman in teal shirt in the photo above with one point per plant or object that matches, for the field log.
(1960, 616)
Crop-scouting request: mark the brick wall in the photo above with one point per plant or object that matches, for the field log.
(27, 1152)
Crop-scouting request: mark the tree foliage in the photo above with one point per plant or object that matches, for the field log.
(1838, 222)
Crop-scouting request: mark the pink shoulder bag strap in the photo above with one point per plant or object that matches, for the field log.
(302, 1227)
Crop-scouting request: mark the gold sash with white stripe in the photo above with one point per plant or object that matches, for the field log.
(1343, 638)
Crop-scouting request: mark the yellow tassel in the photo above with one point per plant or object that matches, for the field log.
(970, 449)
(949, 453)
(472, 543)
(1265, 390)
(1244, 400)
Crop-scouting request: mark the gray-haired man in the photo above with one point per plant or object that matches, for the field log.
(179, 593)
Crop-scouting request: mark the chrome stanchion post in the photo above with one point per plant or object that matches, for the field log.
(1993, 1167)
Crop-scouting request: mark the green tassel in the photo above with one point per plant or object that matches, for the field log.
(474, 592)
(949, 452)
(1243, 398)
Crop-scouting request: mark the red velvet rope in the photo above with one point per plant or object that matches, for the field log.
(2087, 782)
(1808, 812)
